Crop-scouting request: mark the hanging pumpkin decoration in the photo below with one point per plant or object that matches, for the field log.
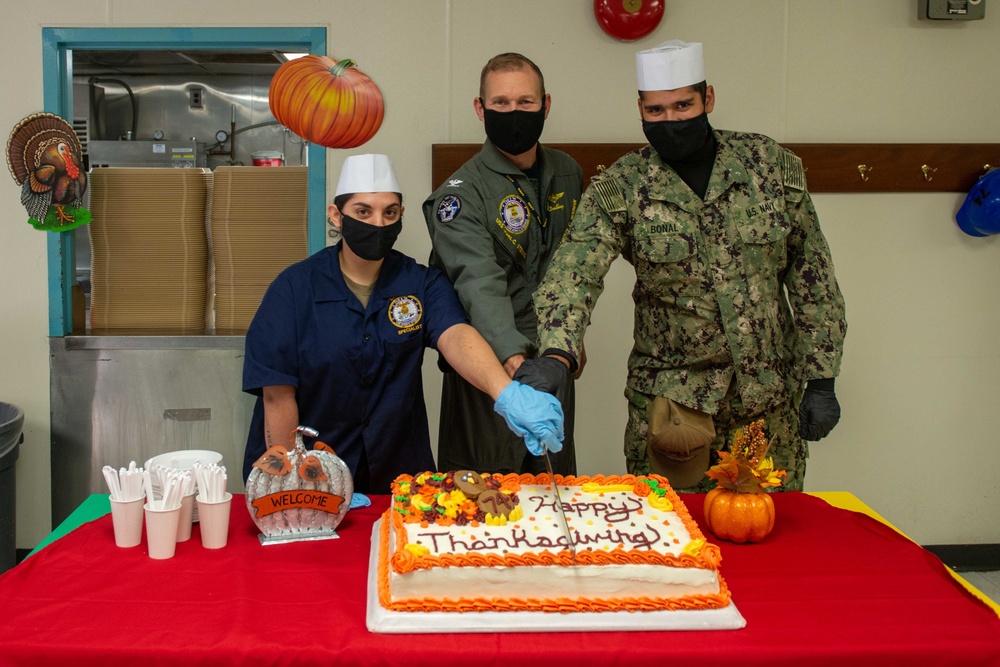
(299, 494)
(327, 102)
(738, 508)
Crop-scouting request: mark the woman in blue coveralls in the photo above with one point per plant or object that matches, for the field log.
(338, 341)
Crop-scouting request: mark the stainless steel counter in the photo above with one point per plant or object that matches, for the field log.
(119, 398)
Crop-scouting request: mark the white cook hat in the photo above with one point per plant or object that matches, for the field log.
(669, 66)
(367, 173)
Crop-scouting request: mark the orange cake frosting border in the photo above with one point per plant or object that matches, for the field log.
(403, 561)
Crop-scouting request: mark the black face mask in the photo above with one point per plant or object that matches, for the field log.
(675, 140)
(369, 242)
(513, 132)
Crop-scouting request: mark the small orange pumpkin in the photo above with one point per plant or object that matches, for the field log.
(327, 102)
(739, 517)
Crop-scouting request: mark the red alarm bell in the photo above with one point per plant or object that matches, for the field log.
(628, 20)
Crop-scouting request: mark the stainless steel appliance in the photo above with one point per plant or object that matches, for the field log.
(117, 399)
(147, 153)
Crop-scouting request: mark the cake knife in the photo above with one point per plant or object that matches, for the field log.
(562, 512)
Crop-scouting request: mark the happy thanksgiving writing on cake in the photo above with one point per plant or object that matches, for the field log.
(629, 531)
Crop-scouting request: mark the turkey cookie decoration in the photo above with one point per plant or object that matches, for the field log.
(45, 158)
(300, 494)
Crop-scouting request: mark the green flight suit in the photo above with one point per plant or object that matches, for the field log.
(735, 294)
(493, 235)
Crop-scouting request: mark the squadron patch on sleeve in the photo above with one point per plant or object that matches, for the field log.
(449, 208)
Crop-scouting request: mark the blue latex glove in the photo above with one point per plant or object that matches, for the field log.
(533, 415)
(359, 500)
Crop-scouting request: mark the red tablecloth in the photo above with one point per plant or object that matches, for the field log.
(827, 587)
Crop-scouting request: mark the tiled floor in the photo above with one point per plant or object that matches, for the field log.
(987, 582)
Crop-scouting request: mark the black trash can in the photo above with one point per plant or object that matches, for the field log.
(11, 422)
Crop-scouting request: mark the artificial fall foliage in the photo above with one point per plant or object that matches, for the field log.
(746, 468)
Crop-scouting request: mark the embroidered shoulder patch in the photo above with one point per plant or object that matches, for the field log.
(792, 174)
(609, 196)
(449, 208)
(405, 311)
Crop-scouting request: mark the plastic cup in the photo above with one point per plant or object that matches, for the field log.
(161, 531)
(214, 521)
(186, 518)
(126, 516)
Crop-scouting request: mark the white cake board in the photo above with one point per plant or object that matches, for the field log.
(384, 621)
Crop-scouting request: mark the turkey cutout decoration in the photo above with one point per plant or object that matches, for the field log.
(45, 157)
(300, 494)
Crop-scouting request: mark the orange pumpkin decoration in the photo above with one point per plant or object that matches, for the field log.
(327, 102)
(739, 517)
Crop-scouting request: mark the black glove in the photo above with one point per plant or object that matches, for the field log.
(819, 411)
(544, 374)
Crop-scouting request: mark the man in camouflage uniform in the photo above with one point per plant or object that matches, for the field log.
(494, 226)
(738, 315)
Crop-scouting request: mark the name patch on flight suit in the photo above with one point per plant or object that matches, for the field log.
(405, 313)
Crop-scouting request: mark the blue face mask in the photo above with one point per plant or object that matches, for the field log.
(369, 242)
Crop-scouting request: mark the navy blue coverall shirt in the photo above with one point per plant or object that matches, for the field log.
(356, 371)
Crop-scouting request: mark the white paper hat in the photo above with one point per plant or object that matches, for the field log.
(669, 66)
(367, 173)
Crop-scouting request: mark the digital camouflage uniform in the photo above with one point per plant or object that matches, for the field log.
(713, 327)
(493, 235)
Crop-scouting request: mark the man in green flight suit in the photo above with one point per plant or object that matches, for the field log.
(494, 225)
(738, 315)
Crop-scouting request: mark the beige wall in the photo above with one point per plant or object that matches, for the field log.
(918, 384)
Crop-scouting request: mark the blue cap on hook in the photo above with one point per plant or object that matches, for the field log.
(980, 212)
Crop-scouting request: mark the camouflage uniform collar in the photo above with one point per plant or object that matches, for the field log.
(498, 162)
(728, 169)
(666, 185)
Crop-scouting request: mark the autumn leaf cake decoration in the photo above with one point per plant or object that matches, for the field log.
(45, 158)
(299, 494)
(739, 508)
(457, 497)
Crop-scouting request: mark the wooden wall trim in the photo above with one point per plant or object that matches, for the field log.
(829, 167)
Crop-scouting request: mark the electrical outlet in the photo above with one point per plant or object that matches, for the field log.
(197, 98)
(951, 10)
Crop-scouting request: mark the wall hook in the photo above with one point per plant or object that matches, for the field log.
(863, 169)
(927, 169)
